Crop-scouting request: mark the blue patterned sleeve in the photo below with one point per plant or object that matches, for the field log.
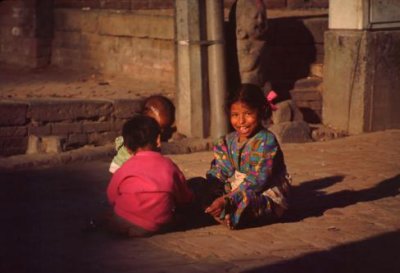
(260, 160)
(221, 166)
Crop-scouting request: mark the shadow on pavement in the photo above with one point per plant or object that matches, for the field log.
(376, 254)
(309, 201)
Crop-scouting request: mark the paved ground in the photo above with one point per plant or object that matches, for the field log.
(345, 218)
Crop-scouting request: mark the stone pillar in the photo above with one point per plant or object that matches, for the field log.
(216, 67)
(361, 69)
(191, 116)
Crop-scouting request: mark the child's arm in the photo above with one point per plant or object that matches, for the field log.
(221, 166)
(216, 207)
(121, 156)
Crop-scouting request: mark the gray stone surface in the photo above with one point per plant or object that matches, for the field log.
(12, 113)
(124, 108)
(287, 111)
(70, 109)
(344, 217)
(292, 132)
(361, 80)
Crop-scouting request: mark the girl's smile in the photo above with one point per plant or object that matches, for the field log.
(244, 120)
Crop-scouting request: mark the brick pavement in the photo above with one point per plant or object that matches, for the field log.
(345, 218)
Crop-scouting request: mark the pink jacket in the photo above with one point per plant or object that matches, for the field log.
(146, 190)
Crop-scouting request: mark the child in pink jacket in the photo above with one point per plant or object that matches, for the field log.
(147, 189)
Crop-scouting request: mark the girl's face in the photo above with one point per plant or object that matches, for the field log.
(244, 120)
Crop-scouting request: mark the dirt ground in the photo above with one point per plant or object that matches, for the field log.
(53, 82)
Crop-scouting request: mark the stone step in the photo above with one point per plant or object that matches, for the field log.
(307, 96)
(308, 83)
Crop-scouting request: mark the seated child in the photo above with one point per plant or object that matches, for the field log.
(148, 187)
(248, 174)
(163, 111)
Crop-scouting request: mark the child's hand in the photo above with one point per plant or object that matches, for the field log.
(216, 207)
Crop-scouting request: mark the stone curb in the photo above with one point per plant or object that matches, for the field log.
(22, 162)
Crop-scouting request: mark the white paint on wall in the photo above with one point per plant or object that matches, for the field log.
(364, 14)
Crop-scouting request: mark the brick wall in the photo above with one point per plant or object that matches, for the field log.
(40, 126)
(138, 45)
(116, 4)
(289, 4)
(106, 35)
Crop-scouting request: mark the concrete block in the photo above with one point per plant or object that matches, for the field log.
(34, 146)
(292, 132)
(39, 130)
(341, 109)
(68, 19)
(125, 109)
(75, 141)
(102, 138)
(67, 39)
(308, 83)
(13, 113)
(13, 131)
(65, 128)
(287, 111)
(90, 24)
(52, 144)
(299, 95)
(66, 57)
(283, 113)
(157, 27)
(118, 124)
(68, 110)
(97, 126)
(90, 41)
(120, 5)
(13, 145)
(383, 76)
(186, 145)
(49, 144)
(362, 15)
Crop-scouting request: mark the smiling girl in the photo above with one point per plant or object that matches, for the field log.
(248, 164)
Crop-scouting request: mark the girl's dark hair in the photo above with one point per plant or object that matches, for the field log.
(140, 131)
(253, 97)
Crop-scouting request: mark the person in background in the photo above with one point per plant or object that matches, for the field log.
(163, 111)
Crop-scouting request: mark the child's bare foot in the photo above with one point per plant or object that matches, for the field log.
(226, 221)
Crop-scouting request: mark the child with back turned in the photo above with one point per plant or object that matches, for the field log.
(163, 111)
(147, 189)
(248, 173)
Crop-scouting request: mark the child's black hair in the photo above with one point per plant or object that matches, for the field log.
(140, 131)
(253, 97)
